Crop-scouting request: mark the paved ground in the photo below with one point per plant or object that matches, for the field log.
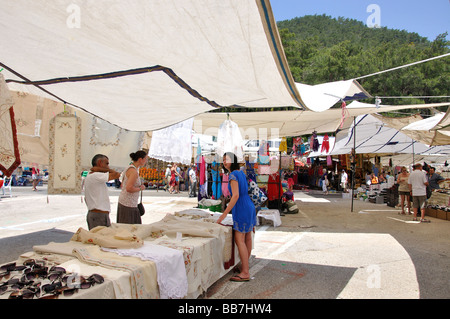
(325, 251)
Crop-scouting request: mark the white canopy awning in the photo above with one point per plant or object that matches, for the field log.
(144, 65)
(375, 137)
(293, 123)
(321, 97)
(432, 131)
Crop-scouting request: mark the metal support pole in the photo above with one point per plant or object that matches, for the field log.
(354, 159)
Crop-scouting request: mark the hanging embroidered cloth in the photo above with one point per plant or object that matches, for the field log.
(9, 147)
(229, 139)
(173, 143)
(64, 154)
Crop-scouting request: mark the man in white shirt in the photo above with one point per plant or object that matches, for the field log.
(418, 186)
(96, 192)
(193, 182)
(344, 180)
(167, 176)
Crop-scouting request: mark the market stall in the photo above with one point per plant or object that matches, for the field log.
(438, 205)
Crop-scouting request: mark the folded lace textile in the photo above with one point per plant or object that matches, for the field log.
(111, 237)
(171, 272)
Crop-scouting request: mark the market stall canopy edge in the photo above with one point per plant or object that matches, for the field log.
(143, 65)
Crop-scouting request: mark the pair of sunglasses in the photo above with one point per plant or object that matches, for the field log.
(34, 263)
(36, 273)
(73, 281)
(52, 291)
(56, 273)
(21, 282)
(7, 269)
(22, 294)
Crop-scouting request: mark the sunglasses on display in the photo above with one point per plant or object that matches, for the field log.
(35, 279)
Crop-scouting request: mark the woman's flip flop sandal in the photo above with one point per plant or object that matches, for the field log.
(239, 279)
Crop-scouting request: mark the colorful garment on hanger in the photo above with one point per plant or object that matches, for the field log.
(302, 150)
(296, 147)
(250, 170)
(202, 170)
(263, 148)
(225, 190)
(325, 144)
(274, 188)
(216, 185)
(315, 142)
(283, 145)
(329, 161)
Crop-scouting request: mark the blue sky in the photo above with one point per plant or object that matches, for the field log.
(428, 18)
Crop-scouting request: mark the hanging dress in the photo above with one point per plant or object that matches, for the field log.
(325, 144)
(250, 169)
(273, 189)
(315, 142)
(225, 190)
(216, 185)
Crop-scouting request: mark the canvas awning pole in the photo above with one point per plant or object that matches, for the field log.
(353, 163)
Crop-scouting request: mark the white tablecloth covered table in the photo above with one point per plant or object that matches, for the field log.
(131, 258)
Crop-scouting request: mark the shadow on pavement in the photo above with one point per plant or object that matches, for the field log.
(24, 243)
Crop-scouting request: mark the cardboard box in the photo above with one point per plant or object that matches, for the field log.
(437, 213)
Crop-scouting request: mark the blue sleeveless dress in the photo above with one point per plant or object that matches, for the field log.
(244, 213)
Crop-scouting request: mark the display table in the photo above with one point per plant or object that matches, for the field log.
(438, 205)
(132, 258)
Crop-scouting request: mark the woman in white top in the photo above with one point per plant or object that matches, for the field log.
(127, 211)
(403, 190)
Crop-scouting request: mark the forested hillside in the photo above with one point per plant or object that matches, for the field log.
(322, 49)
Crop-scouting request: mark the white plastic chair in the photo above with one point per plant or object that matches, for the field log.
(7, 186)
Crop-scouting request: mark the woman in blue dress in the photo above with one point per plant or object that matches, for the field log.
(244, 214)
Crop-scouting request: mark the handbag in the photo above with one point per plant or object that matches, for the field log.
(141, 207)
(256, 195)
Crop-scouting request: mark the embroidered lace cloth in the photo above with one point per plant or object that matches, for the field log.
(173, 143)
(171, 272)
